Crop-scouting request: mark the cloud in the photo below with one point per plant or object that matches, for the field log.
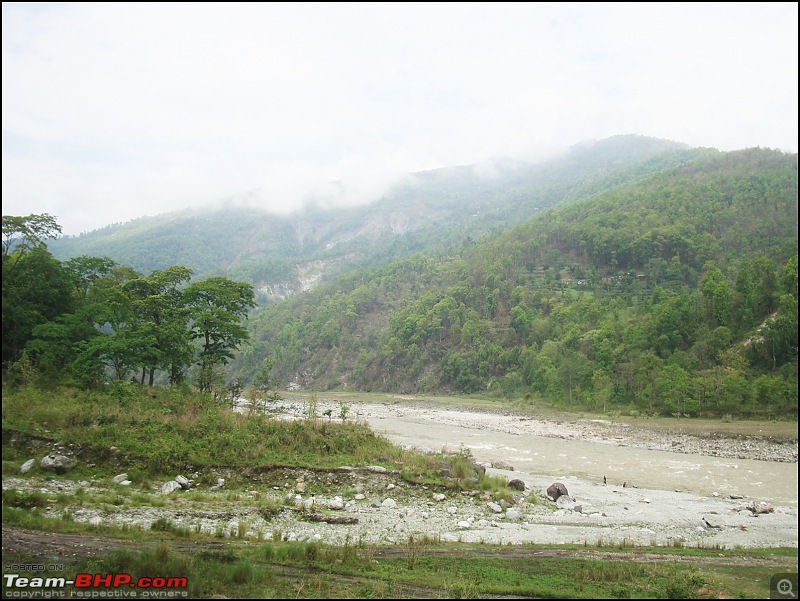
(113, 111)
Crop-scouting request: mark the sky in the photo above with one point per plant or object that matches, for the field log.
(113, 111)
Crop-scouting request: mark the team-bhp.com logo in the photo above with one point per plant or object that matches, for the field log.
(94, 586)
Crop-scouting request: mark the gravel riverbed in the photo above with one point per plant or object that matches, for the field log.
(383, 509)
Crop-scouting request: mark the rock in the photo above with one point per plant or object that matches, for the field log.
(452, 510)
(125, 483)
(736, 496)
(464, 525)
(762, 507)
(360, 497)
(182, 482)
(390, 486)
(437, 496)
(119, 478)
(58, 463)
(517, 484)
(513, 515)
(556, 490)
(495, 507)
(26, 467)
(170, 487)
(376, 469)
(388, 502)
(708, 524)
(502, 465)
(336, 504)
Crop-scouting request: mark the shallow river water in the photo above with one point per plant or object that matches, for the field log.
(514, 440)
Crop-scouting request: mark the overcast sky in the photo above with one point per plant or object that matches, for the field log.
(115, 111)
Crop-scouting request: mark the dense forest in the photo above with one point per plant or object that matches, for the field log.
(666, 285)
(88, 321)
(676, 294)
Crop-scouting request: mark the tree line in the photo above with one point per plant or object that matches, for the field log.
(88, 320)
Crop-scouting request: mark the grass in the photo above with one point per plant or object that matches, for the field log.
(422, 568)
(167, 430)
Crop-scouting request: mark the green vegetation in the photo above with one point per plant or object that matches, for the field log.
(672, 295)
(88, 321)
(421, 569)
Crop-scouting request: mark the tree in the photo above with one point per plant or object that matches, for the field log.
(23, 234)
(36, 291)
(159, 307)
(216, 307)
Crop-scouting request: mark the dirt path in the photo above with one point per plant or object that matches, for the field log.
(55, 548)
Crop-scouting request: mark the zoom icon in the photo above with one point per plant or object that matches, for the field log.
(783, 586)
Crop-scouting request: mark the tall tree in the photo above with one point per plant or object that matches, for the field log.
(23, 234)
(217, 306)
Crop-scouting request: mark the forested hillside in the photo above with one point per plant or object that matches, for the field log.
(428, 212)
(672, 293)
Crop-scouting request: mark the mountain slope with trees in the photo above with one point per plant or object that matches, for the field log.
(676, 293)
(428, 212)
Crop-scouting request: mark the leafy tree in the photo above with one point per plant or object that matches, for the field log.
(159, 307)
(35, 292)
(216, 307)
(23, 234)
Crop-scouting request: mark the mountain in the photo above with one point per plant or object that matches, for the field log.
(665, 286)
(428, 212)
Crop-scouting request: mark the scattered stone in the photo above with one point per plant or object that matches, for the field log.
(170, 487)
(513, 515)
(390, 486)
(502, 465)
(376, 469)
(762, 507)
(389, 502)
(464, 525)
(360, 497)
(125, 483)
(736, 496)
(182, 482)
(438, 496)
(26, 467)
(331, 519)
(452, 510)
(517, 484)
(119, 478)
(58, 463)
(336, 504)
(708, 524)
(495, 507)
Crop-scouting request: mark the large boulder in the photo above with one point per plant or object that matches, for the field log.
(58, 463)
(517, 484)
(556, 490)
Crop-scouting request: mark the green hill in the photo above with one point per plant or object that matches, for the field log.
(669, 293)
